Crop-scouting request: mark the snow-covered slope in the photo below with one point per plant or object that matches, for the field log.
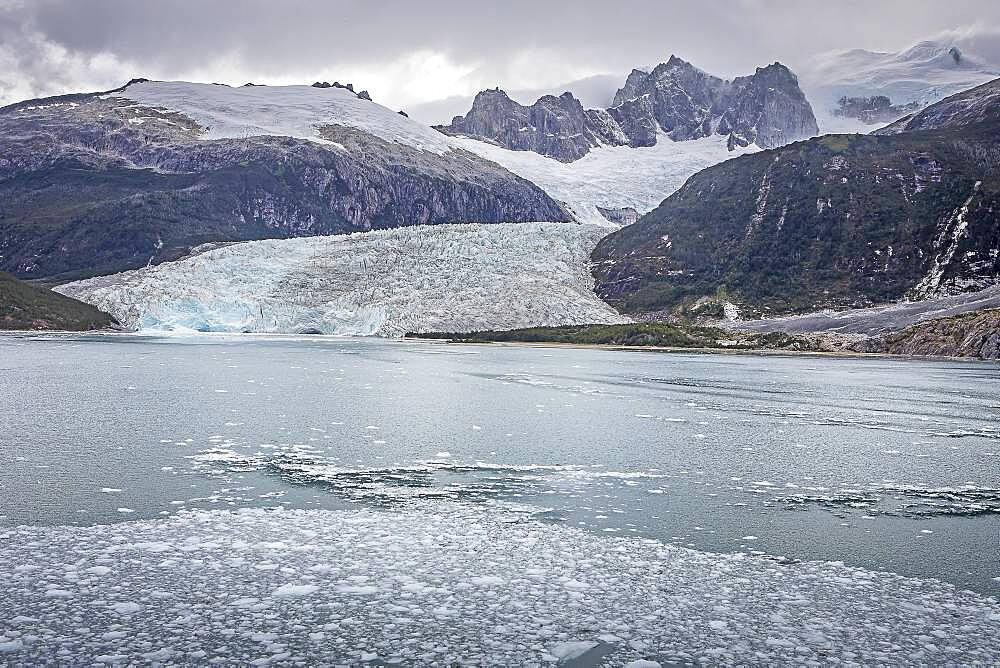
(924, 73)
(290, 111)
(387, 283)
(611, 176)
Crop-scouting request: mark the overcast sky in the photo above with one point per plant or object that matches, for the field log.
(410, 52)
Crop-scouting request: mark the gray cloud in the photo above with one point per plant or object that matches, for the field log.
(409, 53)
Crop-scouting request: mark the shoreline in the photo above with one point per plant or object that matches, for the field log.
(762, 352)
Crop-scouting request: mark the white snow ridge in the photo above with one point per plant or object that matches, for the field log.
(445, 584)
(386, 283)
(289, 111)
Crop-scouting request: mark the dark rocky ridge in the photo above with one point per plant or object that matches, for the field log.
(833, 222)
(91, 186)
(766, 108)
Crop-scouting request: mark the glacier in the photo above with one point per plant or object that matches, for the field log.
(612, 177)
(383, 283)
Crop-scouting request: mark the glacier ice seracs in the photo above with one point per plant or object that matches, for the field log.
(386, 283)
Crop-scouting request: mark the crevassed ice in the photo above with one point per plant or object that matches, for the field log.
(387, 283)
(450, 583)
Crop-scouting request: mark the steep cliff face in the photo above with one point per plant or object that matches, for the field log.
(968, 335)
(675, 99)
(837, 221)
(100, 183)
(767, 109)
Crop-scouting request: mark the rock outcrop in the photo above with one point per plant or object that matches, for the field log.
(968, 335)
(675, 99)
(873, 109)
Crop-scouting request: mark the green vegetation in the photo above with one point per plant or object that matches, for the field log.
(654, 334)
(24, 306)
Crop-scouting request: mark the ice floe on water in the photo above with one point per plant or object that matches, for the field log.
(446, 583)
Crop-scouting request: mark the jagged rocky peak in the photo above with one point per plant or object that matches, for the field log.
(675, 99)
(558, 127)
(767, 108)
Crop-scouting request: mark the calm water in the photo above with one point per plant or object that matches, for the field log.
(886, 464)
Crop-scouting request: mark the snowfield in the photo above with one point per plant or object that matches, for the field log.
(925, 73)
(445, 584)
(289, 111)
(385, 283)
(612, 176)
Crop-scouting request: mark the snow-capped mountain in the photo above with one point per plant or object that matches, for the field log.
(911, 79)
(97, 183)
(386, 282)
(675, 100)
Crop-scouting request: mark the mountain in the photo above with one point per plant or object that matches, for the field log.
(385, 282)
(675, 99)
(558, 127)
(594, 91)
(97, 183)
(833, 222)
(25, 306)
(909, 79)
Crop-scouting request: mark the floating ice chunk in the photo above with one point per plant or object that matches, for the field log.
(98, 570)
(293, 590)
(642, 663)
(126, 607)
(15, 645)
(566, 651)
(58, 593)
(22, 619)
(110, 490)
